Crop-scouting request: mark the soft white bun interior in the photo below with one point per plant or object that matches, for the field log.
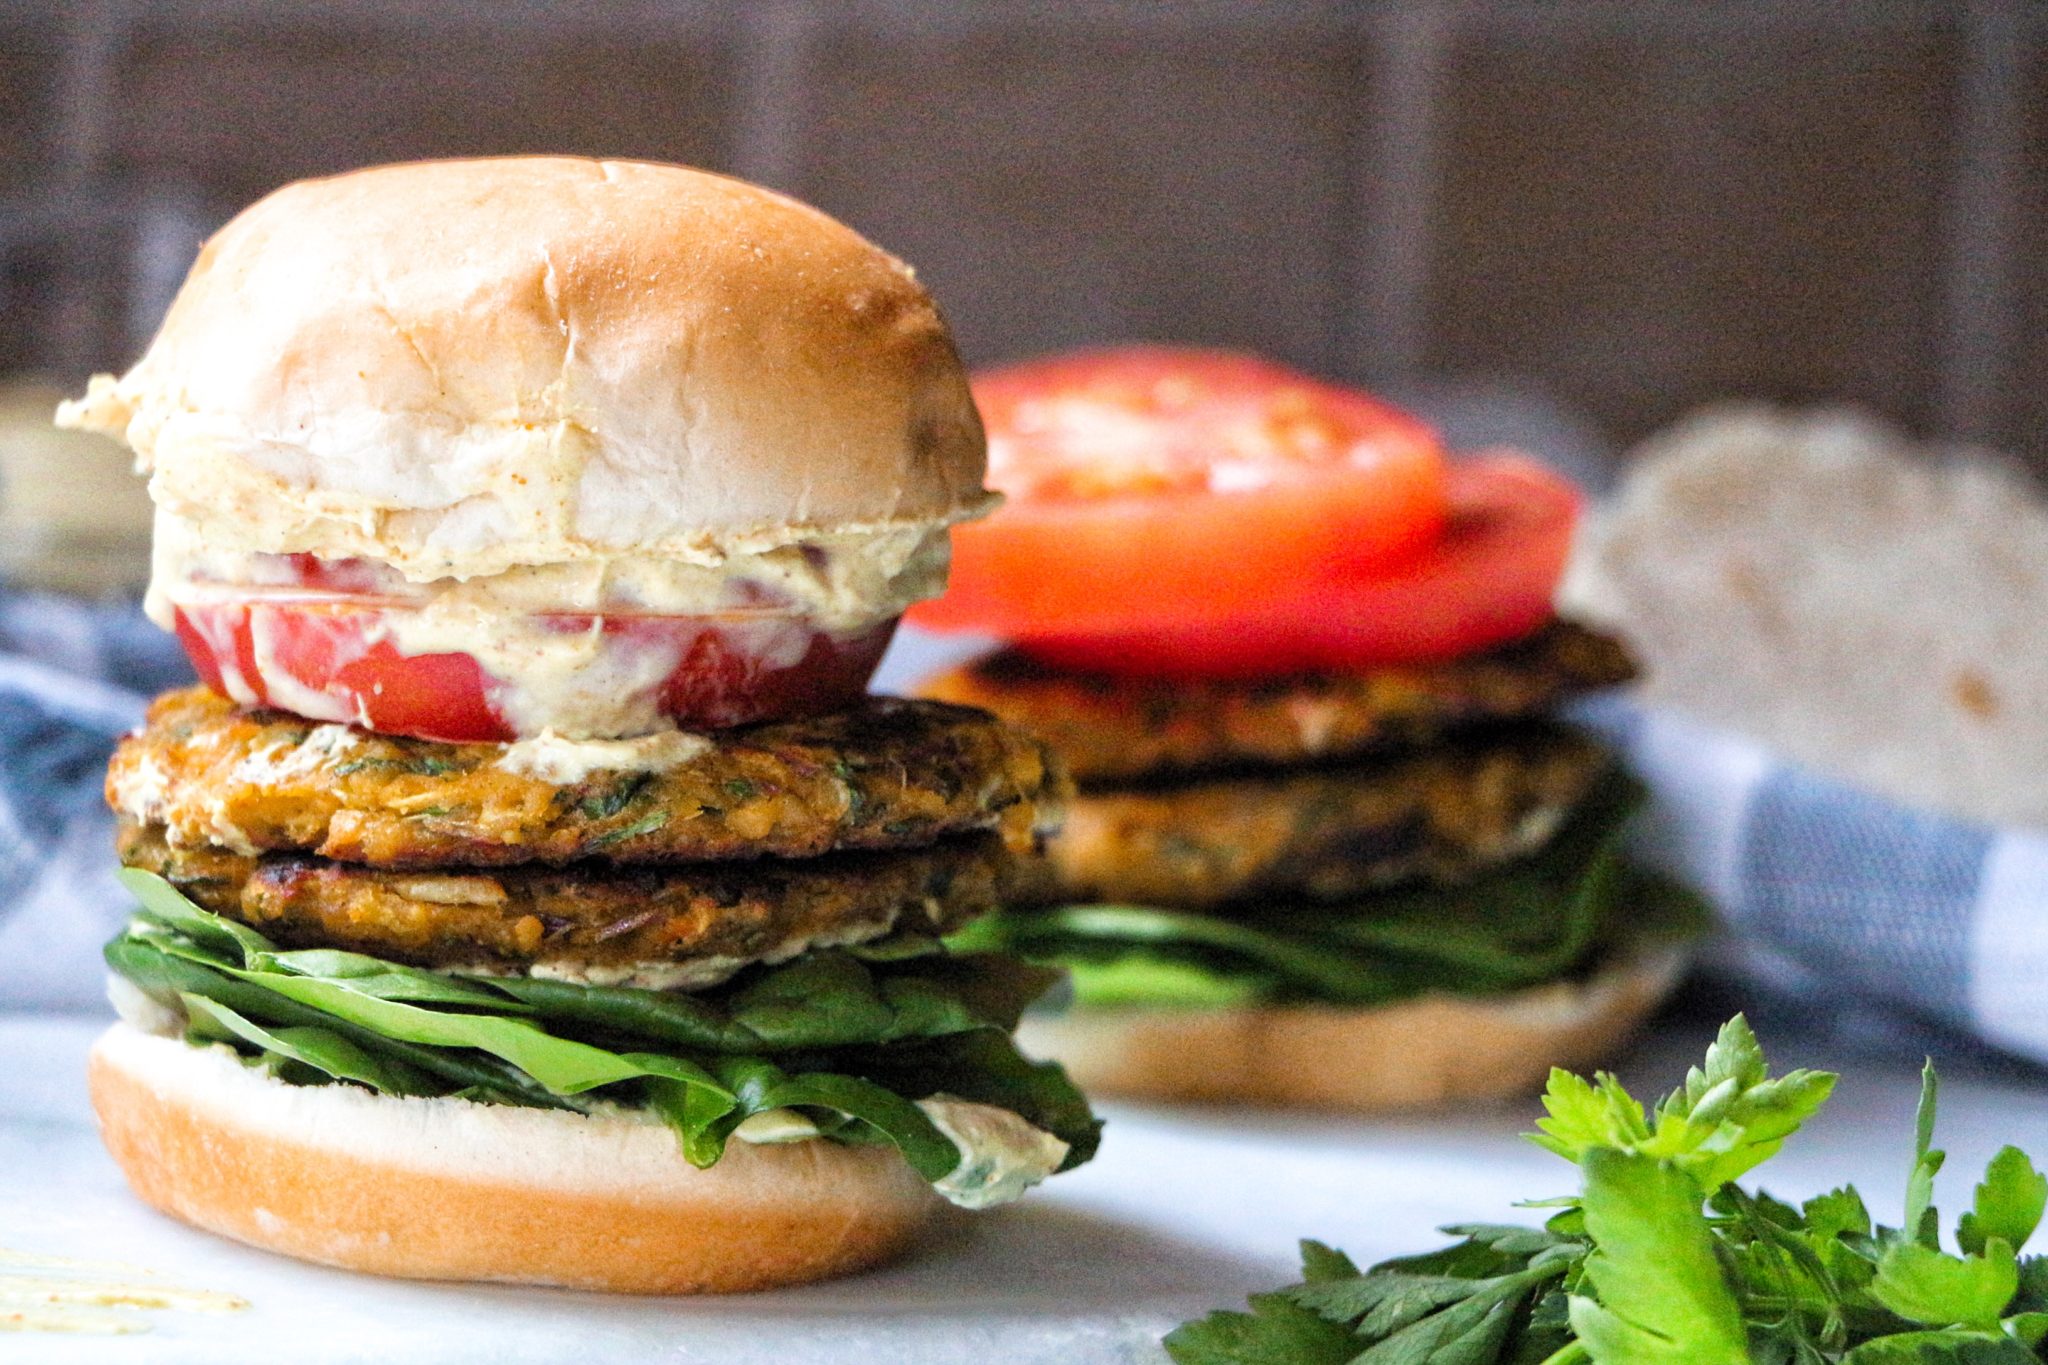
(450, 1189)
(461, 367)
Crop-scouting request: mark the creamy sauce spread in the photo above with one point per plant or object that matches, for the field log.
(139, 1009)
(549, 757)
(582, 682)
(1001, 1155)
(839, 580)
(287, 762)
(773, 1127)
(525, 625)
(106, 1298)
(699, 973)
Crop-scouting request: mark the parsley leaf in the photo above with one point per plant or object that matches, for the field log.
(1941, 1348)
(1662, 1259)
(1922, 1221)
(1727, 1118)
(1923, 1285)
(2008, 1205)
(1658, 1292)
(1468, 1303)
(1275, 1330)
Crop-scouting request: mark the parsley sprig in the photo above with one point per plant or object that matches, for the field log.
(1663, 1259)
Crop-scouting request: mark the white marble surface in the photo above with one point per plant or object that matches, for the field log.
(1183, 1211)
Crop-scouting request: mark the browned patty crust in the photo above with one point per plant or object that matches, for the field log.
(1109, 729)
(887, 774)
(710, 917)
(1443, 814)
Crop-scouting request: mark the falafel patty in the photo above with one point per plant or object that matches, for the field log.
(889, 774)
(1447, 813)
(684, 926)
(1112, 729)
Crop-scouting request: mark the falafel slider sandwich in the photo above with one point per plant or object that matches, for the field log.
(1334, 845)
(532, 892)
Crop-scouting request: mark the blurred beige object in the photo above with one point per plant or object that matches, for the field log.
(74, 515)
(1864, 605)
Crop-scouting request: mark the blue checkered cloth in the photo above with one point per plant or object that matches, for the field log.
(1841, 903)
(73, 678)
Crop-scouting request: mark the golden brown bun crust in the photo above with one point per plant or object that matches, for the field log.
(1421, 1054)
(446, 1189)
(460, 366)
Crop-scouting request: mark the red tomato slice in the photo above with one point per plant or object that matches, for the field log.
(1491, 579)
(331, 659)
(1151, 484)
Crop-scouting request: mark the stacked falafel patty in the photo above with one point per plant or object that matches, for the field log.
(744, 940)
(1348, 840)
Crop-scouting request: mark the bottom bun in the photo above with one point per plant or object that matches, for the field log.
(454, 1190)
(1418, 1054)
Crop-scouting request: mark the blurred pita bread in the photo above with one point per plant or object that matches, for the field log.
(1865, 605)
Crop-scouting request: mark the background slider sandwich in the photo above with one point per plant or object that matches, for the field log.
(1331, 845)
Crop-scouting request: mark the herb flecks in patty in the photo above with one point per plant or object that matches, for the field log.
(887, 774)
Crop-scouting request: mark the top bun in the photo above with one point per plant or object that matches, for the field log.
(461, 367)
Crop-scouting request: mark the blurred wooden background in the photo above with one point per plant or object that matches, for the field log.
(1628, 205)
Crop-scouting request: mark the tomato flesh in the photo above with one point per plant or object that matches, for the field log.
(719, 677)
(1186, 513)
(1141, 420)
(333, 659)
(1492, 578)
(1152, 484)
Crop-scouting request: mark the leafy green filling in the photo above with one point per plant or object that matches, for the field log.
(1662, 1259)
(1536, 920)
(848, 1038)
